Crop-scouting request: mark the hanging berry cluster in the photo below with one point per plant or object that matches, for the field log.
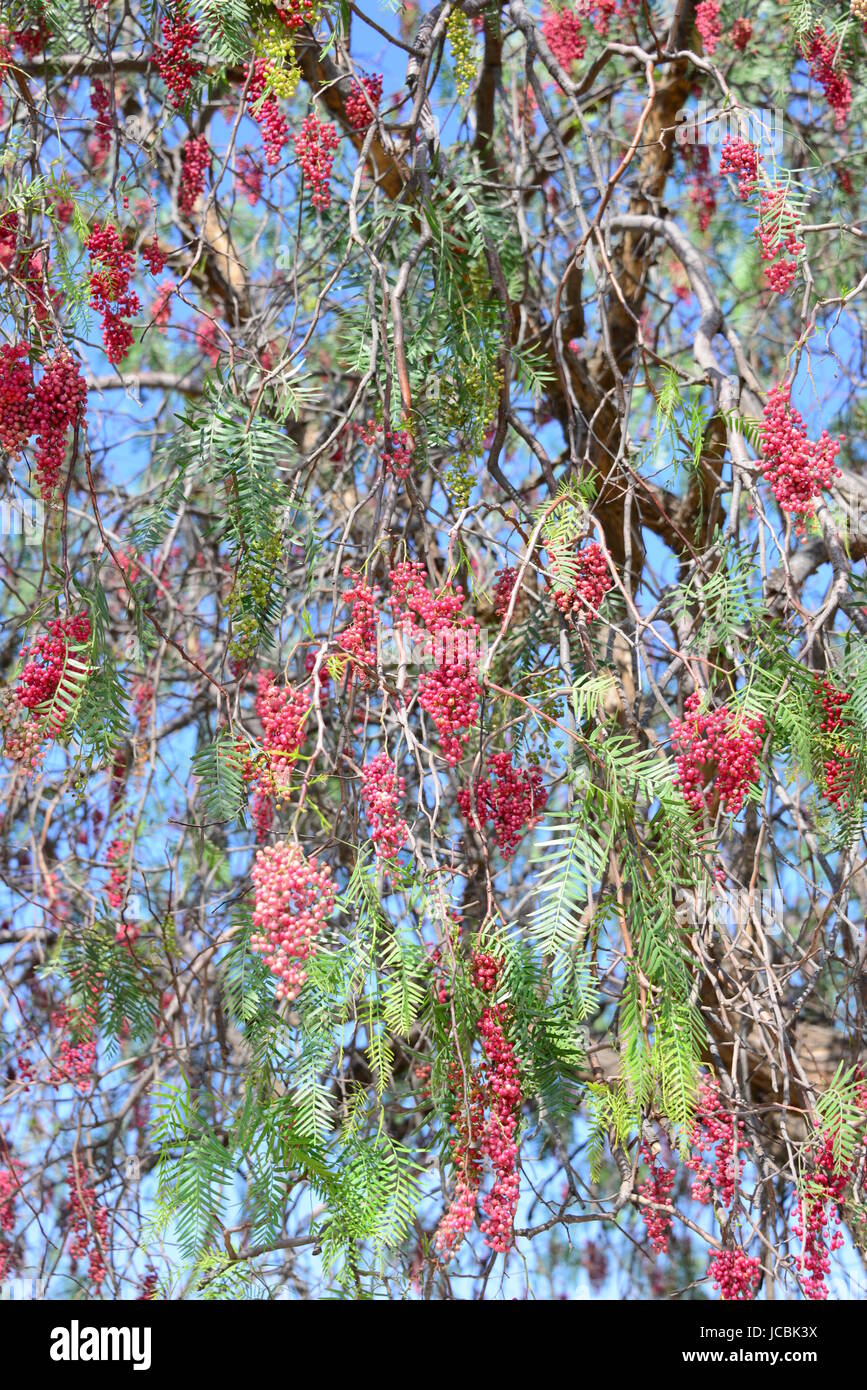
(715, 1130)
(315, 144)
(780, 244)
(822, 52)
(110, 292)
(797, 469)
(741, 158)
(195, 162)
(363, 101)
(47, 410)
(381, 792)
(265, 111)
(708, 25)
(817, 1218)
(173, 62)
(56, 666)
(580, 584)
(463, 50)
(717, 755)
(837, 764)
(486, 1126)
(562, 31)
(88, 1224)
(735, 1274)
(513, 801)
(294, 897)
(656, 1210)
(504, 586)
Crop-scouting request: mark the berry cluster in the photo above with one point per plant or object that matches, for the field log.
(363, 101)
(778, 234)
(708, 25)
(504, 585)
(103, 128)
(264, 110)
(580, 583)
(463, 50)
(88, 1224)
(117, 861)
(110, 292)
(562, 31)
(715, 1128)
(315, 144)
(735, 1274)
(397, 454)
(154, 256)
(10, 1187)
(493, 1087)
(59, 401)
(359, 639)
(173, 63)
(195, 162)
(838, 763)
(208, 339)
(293, 899)
(381, 790)
(796, 468)
(499, 1142)
(717, 755)
(248, 177)
(46, 672)
(76, 1029)
(821, 51)
(817, 1210)
(513, 801)
(16, 397)
(740, 33)
(741, 158)
(655, 1212)
(161, 306)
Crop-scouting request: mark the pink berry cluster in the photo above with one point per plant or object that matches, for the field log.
(76, 1054)
(715, 1130)
(797, 469)
(173, 62)
(740, 34)
(88, 1224)
(778, 234)
(381, 790)
(708, 25)
(485, 1129)
(46, 668)
(655, 1212)
(359, 639)
(562, 31)
(397, 454)
(702, 184)
(293, 899)
(161, 306)
(741, 158)
(735, 1274)
(283, 713)
(154, 256)
(103, 128)
(298, 13)
(315, 144)
(513, 800)
(59, 401)
(195, 162)
(499, 1139)
(587, 579)
(266, 112)
(816, 1212)
(208, 339)
(717, 758)
(450, 691)
(248, 177)
(821, 51)
(10, 1188)
(363, 101)
(838, 763)
(46, 410)
(110, 292)
(504, 585)
(16, 397)
(117, 860)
